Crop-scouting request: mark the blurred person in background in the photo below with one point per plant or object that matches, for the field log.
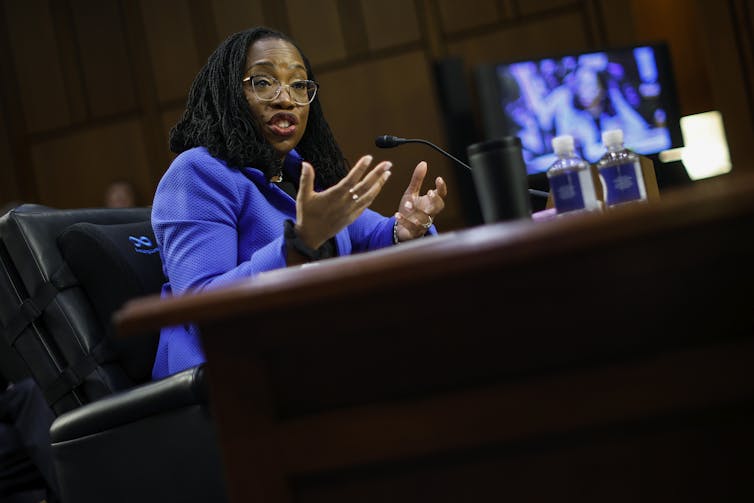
(120, 194)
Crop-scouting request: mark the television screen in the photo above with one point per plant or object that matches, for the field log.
(582, 94)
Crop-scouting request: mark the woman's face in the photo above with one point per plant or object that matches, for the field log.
(588, 88)
(281, 121)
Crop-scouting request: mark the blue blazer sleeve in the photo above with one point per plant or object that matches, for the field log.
(198, 217)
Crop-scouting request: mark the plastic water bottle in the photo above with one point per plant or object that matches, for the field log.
(620, 171)
(570, 178)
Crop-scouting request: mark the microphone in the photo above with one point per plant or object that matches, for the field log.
(390, 141)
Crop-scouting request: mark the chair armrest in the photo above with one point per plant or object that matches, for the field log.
(173, 392)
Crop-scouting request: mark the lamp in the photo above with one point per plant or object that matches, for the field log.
(706, 149)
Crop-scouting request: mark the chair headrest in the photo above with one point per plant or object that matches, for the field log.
(113, 262)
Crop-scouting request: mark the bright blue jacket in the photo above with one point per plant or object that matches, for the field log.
(215, 225)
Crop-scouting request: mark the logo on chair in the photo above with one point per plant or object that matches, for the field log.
(143, 244)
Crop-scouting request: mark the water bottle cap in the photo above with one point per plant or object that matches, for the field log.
(612, 137)
(563, 144)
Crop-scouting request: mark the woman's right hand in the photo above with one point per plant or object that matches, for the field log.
(321, 215)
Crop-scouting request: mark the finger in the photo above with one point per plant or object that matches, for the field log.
(348, 184)
(441, 188)
(417, 178)
(371, 191)
(306, 182)
(435, 198)
(358, 170)
(376, 173)
(374, 176)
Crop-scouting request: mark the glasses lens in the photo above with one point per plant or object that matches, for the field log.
(302, 92)
(264, 87)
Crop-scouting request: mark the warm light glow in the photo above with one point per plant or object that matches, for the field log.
(672, 155)
(706, 150)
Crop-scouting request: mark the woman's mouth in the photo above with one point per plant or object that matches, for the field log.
(283, 124)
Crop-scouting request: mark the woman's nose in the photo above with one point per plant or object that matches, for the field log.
(284, 96)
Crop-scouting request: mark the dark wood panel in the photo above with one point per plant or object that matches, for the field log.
(73, 171)
(528, 7)
(70, 61)
(686, 48)
(107, 70)
(14, 125)
(659, 465)
(41, 85)
(232, 16)
(353, 27)
(173, 47)
(618, 22)
(396, 15)
(9, 190)
(147, 96)
(730, 90)
(565, 33)
(744, 19)
(322, 40)
(457, 16)
(276, 15)
(202, 17)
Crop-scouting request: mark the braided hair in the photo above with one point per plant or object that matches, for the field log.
(218, 117)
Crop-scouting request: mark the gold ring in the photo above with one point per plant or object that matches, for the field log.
(428, 224)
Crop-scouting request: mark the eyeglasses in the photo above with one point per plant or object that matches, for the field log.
(265, 88)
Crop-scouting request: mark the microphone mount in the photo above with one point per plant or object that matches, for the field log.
(390, 141)
(393, 141)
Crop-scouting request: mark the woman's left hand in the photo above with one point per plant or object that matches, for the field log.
(416, 213)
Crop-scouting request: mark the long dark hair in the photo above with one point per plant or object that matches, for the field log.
(218, 117)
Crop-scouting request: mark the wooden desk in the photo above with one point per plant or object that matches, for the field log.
(593, 358)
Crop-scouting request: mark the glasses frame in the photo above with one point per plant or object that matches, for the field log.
(279, 90)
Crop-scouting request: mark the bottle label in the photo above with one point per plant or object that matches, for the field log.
(620, 183)
(567, 193)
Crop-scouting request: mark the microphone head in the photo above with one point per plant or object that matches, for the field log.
(388, 141)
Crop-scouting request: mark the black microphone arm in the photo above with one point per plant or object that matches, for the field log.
(389, 141)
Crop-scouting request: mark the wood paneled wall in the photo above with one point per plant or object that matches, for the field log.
(90, 88)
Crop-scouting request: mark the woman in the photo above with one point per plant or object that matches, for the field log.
(260, 183)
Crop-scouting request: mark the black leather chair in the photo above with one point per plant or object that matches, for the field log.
(118, 435)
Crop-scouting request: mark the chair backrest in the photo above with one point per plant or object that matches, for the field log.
(63, 274)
